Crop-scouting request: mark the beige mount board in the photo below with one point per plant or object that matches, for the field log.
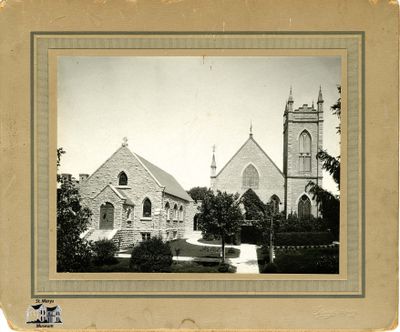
(363, 33)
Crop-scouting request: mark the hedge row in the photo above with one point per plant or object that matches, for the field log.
(303, 238)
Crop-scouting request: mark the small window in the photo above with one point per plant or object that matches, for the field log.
(175, 212)
(181, 213)
(274, 201)
(304, 207)
(146, 208)
(122, 179)
(167, 211)
(145, 236)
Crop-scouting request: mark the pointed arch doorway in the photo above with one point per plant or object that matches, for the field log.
(106, 216)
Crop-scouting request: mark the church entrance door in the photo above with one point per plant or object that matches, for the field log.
(250, 234)
(107, 216)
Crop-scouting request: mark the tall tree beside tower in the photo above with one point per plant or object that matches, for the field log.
(328, 203)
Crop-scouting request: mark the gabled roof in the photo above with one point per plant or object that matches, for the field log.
(258, 146)
(162, 178)
(53, 308)
(172, 186)
(123, 194)
(36, 306)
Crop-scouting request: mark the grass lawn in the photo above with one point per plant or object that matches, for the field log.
(187, 249)
(198, 267)
(177, 267)
(121, 266)
(306, 261)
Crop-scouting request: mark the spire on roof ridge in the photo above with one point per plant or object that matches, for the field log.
(290, 100)
(251, 128)
(320, 99)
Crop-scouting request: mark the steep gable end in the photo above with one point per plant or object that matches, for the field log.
(242, 150)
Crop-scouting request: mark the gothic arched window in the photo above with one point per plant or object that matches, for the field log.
(304, 207)
(167, 211)
(274, 200)
(122, 179)
(305, 152)
(175, 212)
(181, 213)
(250, 177)
(146, 208)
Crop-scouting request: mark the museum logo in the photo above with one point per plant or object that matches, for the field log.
(43, 315)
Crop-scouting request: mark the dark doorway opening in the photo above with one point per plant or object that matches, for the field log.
(250, 234)
(196, 223)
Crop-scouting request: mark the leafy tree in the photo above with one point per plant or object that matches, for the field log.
(104, 252)
(254, 207)
(328, 203)
(152, 255)
(220, 216)
(73, 253)
(198, 193)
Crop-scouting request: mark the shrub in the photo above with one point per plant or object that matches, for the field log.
(152, 255)
(270, 268)
(294, 224)
(303, 238)
(309, 261)
(208, 237)
(104, 252)
(226, 268)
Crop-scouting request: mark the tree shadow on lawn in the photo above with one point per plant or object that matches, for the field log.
(191, 250)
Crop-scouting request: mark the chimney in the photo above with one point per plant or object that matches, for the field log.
(83, 178)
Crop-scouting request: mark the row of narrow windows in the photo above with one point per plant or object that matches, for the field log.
(177, 214)
(107, 209)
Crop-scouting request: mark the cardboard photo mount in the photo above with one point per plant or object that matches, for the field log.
(362, 296)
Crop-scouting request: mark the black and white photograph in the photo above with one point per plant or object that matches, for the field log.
(198, 164)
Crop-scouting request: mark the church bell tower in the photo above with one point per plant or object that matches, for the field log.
(302, 139)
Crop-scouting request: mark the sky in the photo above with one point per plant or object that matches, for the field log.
(173, 109)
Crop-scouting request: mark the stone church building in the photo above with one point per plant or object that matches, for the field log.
(251, 167)
(132, 200)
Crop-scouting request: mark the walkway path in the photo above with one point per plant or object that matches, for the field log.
(245, 263)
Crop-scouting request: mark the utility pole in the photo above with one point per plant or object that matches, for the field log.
(271, 242)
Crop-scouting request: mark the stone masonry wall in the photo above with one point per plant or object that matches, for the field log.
(271, 180)
(311, 120)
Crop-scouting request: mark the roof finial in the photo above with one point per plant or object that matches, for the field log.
(251, 128)
(290, 100)
(125, 142)
(320, 99)
(213, 163)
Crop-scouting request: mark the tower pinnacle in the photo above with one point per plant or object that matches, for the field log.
(251, 129)
(213, 172)
(290, 100)
(320, 99)
(289, 104)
